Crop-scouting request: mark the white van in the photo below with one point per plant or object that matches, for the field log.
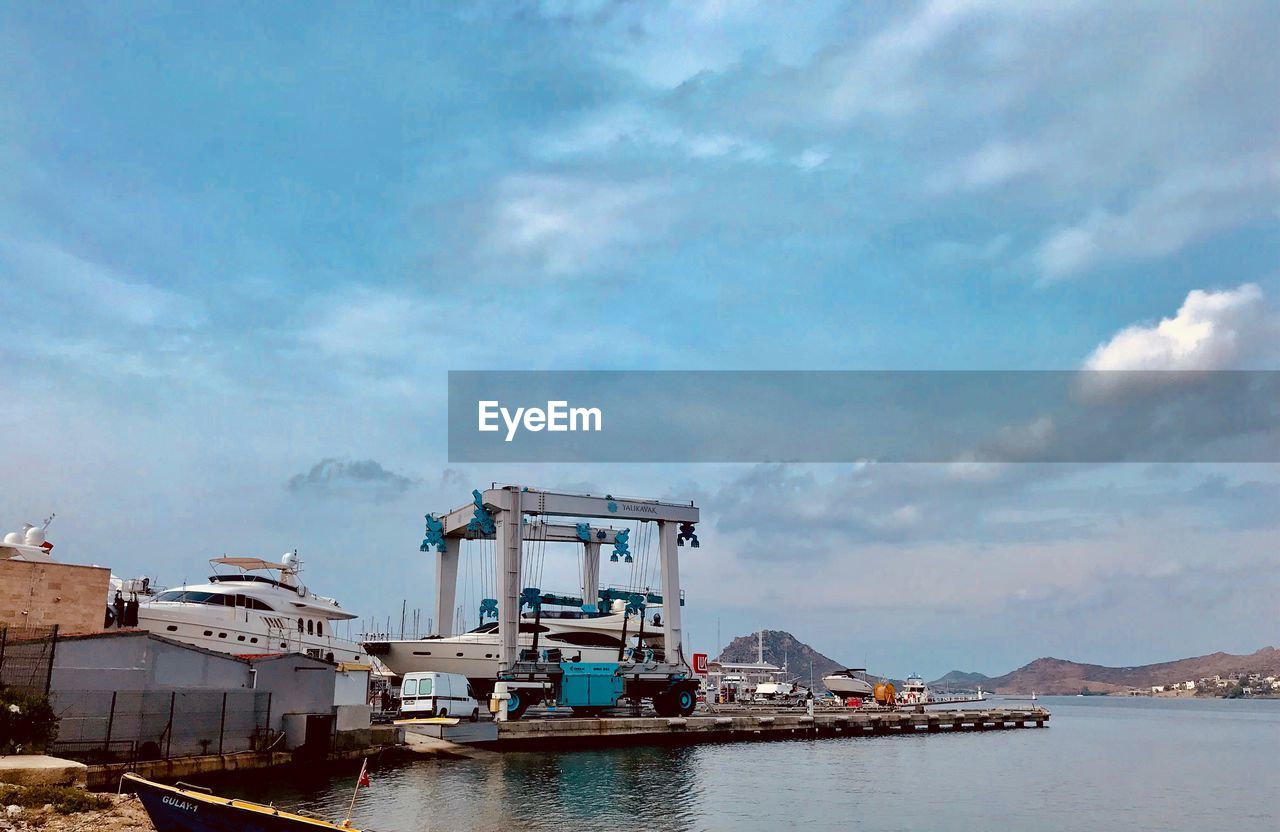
(430, 693)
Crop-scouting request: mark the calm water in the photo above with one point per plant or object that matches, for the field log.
(1105, 763)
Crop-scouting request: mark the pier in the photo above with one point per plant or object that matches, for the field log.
(569, 732)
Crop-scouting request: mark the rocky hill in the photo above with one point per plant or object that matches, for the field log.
(960, 680)
(1059, 676)
(781, 648)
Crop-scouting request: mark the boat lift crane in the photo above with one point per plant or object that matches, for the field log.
(499, 513)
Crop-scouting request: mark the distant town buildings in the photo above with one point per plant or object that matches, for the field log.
(1239, 685)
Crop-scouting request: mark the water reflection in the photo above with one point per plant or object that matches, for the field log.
(613, 788)
(1178, 767)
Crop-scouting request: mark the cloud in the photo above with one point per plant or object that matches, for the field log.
(992, 165)
(634, 128)
(835, 509)
(365, 322)
(53, 279)
(350, 478)
(1186, 207)
(564, 226)
(1211, 331)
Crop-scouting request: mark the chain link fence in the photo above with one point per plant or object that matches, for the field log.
(117, 726)
(26, 657)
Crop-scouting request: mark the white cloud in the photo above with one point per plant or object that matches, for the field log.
(365, 323)
(1186, 207)
(811, 158)
(631, 127)
(1211, 331)
(992, 165)
(563, 226)
(51, 279)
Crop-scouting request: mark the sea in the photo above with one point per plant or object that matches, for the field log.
(1103, 763)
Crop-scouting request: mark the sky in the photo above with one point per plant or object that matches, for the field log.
(242, 245)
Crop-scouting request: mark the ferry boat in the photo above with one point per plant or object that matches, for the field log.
(261, 608)
(592, 637)
(847, 684)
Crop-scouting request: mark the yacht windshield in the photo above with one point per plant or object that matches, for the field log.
(215, 599)
(193, 597)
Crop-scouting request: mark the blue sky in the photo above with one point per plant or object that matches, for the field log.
(238, 241)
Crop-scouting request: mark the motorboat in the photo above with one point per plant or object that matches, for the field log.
(262, 607)
(577, 634)
(185, 808)
(849, 683)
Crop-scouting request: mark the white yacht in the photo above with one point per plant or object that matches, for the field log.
(591, 637)
(849, 684)
(261, 608)
(914, 691)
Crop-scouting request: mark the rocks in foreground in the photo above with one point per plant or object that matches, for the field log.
(65, 809)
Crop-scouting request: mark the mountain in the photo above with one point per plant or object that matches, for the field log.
(1059, 676)
(960, 680)
(783, 648)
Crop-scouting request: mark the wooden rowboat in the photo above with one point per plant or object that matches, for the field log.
(177, 809)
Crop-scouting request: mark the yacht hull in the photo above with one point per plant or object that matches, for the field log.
(848, 686)
(475, 654)
(213, 629)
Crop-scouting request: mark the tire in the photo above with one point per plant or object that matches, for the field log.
(684, 701)
(664, 705)
(475, 715)
(444, 712)
(517, 704)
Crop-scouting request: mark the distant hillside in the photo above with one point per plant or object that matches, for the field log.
(1059, 676)
(960, 680)
(783, 648)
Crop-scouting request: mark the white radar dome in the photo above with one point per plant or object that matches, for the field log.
(35, 536)
(13, 538)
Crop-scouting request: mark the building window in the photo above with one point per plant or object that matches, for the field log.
(319, 628)
(172, 628)
(222, 635)
(253, 640)
(299, 625)
(239, 638)
(310, 629)
(208, 632)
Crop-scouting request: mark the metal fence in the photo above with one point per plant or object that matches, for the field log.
(105, 725)
(26, 657)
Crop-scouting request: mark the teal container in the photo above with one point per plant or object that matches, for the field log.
(590, 684)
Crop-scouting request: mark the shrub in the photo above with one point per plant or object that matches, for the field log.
(27, 722)
(65, 800)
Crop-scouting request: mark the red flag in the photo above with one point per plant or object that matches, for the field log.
(364, 777)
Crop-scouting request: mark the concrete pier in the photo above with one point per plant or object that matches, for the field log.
(572, 732)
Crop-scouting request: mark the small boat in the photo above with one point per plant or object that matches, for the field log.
(178, 809)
